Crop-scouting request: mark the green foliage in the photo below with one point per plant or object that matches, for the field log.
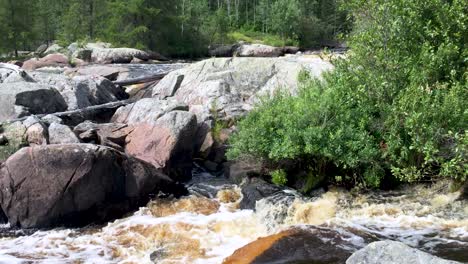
(279, 177)
(395, 105)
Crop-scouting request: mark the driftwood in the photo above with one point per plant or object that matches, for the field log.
(144, 79)
(98, 113)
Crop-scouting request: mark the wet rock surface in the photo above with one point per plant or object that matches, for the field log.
(256, 189)
(297, 245)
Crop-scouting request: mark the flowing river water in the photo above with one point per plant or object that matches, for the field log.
(208, 226)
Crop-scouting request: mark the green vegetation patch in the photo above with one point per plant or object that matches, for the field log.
(395, 107)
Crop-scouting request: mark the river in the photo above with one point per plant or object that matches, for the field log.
(208, 226)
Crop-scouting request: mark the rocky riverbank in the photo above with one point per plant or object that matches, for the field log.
(77, 148)
(45, 114)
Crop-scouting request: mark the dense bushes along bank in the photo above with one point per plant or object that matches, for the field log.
(393, 110)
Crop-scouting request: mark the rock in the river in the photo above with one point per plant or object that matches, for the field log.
(118, 55)
(146, 110)
(23, 98)
(258, 50)
(233, 85)
(51, 60)
(168, 144)
(256, 189)
(392, 252)
(75, 184)
(237, 171)
(61, 134)
(297, 245)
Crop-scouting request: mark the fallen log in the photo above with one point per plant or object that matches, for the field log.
(98, 113)
(140, 80)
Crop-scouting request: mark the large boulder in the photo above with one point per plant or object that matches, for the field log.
(297, 245)
(256, 189)
(82, 91)
(258, 50)
(75, 184)
(146, 110)
(392, 252)
(51, 60)
(230, 87)
(168, 143)
(118, 55)
(23, 99)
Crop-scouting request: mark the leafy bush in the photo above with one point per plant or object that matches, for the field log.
(395, 107)
(279, 177)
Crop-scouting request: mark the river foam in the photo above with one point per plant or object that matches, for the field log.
(197, 229)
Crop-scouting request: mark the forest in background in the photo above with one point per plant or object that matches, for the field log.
(172, 27)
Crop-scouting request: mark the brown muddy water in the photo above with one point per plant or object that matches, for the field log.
(198, 229)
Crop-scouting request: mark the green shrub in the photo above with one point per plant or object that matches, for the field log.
(395, 107)
(279, 177)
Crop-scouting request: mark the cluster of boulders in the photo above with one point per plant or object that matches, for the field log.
(71, 161)
(77, 54)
